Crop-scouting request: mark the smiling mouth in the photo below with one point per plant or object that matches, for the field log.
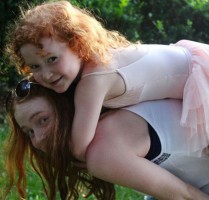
(56, 81)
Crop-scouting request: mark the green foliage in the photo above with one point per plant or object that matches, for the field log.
(120, 15)
(154, 21)
(151, 21)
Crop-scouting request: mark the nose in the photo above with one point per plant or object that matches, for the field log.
(47, 74)
(39, 143)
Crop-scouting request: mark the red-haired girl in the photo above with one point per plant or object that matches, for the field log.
(61, 44)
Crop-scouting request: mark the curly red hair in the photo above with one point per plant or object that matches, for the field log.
(85, 35)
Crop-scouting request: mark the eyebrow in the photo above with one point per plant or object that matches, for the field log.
(30, 119)
(34, 115)
(43, 53)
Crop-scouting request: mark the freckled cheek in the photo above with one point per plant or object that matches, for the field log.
(63, 67)
(45, 132)
(37, 76)
(39, 141)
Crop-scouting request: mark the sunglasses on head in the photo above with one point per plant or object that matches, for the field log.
(21, 91)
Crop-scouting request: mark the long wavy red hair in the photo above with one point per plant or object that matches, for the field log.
(56, 169)
(85, 34)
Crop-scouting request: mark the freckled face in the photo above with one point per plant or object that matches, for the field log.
(55, 66)
(35, 118)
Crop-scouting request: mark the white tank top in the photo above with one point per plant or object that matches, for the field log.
(175, 156)
(147, 80)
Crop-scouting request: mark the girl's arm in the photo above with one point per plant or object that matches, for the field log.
(89, 97)
(142, 175)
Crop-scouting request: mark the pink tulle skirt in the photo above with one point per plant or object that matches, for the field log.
(195, 113)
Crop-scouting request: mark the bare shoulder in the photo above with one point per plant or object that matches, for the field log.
(107, 85)
(121, 117)
(123, 125)
(118, 129)
(120, 135)
(90, 86)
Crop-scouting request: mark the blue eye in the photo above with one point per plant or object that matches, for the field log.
(44, 120)
(52, 59)
(30, 133)
(34, 67)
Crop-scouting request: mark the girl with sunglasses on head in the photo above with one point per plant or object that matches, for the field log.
(45, 127)
(61, 44)
(41, 123)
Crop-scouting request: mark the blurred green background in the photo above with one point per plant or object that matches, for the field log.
(150, 21)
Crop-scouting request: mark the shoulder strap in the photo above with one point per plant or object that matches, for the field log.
(99, 73)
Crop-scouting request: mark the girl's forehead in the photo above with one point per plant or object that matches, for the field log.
(42, 53)
(47, 46)
(50, 44)
(25, 110)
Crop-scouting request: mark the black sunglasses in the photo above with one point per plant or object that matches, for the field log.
(21, 91)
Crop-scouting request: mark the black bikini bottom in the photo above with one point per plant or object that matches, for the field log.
(155, 145)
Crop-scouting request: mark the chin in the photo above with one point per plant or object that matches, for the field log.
(60, 90)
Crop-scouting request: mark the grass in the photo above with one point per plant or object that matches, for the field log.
(34, 186)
